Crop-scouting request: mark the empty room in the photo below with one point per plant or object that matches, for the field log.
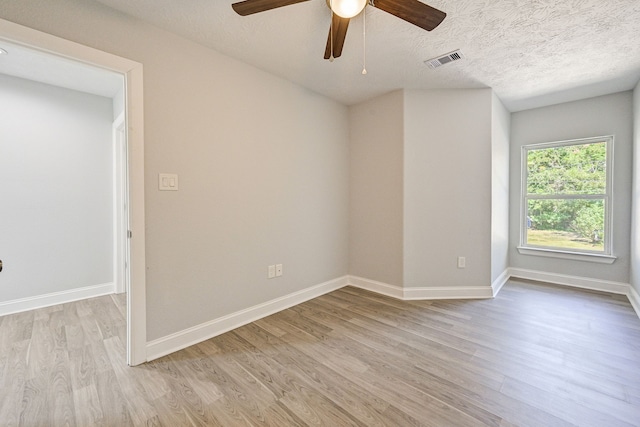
(319, 212)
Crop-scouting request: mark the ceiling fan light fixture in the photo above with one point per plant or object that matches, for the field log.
(342, 11)
(347, 8)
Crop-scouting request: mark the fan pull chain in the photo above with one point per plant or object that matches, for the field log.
(364, 41)
(331, 58)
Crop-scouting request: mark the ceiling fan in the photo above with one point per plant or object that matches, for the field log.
(413, 11)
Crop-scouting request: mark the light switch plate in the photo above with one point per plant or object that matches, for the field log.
(168, 182)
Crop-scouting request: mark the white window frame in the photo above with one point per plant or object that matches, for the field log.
(604, 256)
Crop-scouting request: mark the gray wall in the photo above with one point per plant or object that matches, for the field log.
(500, 129)
(263, 168)
(635, 222)
(605, 115)
(421, 187)
(447, 187)
(56, 170)
(376, 193)
(264, 179)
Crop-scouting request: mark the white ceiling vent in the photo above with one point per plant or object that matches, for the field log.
(444, 59)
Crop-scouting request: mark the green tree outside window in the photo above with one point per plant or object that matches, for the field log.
(566, 195)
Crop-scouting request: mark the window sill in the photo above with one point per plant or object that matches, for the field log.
(576, 256)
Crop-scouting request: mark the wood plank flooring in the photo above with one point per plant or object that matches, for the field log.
(537, 355)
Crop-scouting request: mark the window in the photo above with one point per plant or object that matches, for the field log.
(566, 199)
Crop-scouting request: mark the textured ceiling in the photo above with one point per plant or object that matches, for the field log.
(531, 52)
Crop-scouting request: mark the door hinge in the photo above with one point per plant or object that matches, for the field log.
(129, 234)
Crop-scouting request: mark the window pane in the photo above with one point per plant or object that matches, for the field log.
(571, 169)
(568, 224)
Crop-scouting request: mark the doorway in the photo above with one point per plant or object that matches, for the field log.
(130, 150)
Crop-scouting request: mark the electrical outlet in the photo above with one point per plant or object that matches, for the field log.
(462, 262)
(272, 272)
(278, 270)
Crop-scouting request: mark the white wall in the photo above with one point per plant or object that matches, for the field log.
(447, 187)
(118, 103)
(263, 168)
(500, 128)
(376, 193)
(635, 222)
(605, 115)
(56, 223)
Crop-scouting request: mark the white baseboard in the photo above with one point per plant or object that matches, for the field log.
(188, 337)
(581, 282)
(634, 299)
(448, 292)
(500, 281)
(55, 298)
(185, 338)
(422, 293)
(574, 281)
(377, 287)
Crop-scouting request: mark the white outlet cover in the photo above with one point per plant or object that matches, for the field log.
(462, 262)
(271, 272)
(278, 270)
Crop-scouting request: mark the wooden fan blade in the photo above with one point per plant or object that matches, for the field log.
(340, 26)
(413, 11)
(249, 7)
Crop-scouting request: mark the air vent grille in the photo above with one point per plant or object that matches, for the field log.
(444, 59)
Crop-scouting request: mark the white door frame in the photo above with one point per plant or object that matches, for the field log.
(134, 118)
(120, 207)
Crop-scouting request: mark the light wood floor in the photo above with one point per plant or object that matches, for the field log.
(536, 355)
